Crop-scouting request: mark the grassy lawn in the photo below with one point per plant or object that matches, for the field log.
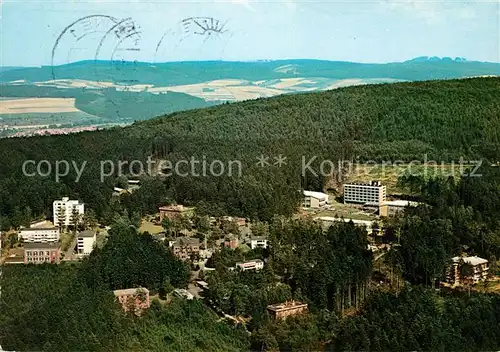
(17, 252)
(346, 211)
(66, 239)
(150, 227)
(491, 286)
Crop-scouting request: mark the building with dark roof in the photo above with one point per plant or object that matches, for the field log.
(185, 247)
(136, 299)
(289, 308)
(38, 253)
(86, 242)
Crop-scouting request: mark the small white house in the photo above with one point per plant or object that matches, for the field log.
(314, 199)
(256, 264)
(182, 293)
(258, 242)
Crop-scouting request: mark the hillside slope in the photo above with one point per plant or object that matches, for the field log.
(116, 92)
(440, 120)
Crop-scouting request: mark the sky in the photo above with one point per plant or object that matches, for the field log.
(244, 30)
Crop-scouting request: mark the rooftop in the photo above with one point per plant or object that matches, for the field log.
(471, 260)
(65, 200)
(14, 260)
(371, 184)
(40, 229)
(258, 238)
(318, 195)
(401, 203)
(183, 292)
(250, 262)
(159, 236)
(130, 291)
(87, 234)
(355, 221)
(41, 223)
(35, 245)
(180, 241)
(287, 305)
(172, 208)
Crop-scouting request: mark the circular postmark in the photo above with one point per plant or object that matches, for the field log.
(98, 53)
(76, 41)
(201, 39)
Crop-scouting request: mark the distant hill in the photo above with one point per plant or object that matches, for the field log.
(180, 73)
(437, 59)
(9, 68)
(122, 92)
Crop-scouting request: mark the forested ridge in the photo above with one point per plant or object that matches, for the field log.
(444, 120)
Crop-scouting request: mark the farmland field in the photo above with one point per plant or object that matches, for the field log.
(37, 105)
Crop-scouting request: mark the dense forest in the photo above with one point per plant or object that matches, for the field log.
(71, 307)
(349, 308)
(440, 120)
(47, 308)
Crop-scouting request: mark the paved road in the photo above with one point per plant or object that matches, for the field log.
(70, 253)
(380, 256)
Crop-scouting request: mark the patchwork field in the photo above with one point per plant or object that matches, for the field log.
(231, 89)
(215, 90)
(37, 105)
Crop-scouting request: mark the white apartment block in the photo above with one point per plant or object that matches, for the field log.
(371, 193)
(314, 199)
(86, 242)
(256, 264)
(479, 270)
(39, 235)
(64, 209)
(258, 242)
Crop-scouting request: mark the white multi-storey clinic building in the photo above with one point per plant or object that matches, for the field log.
(64, 209)
(86, 242)
(40, 235)
(373, 193)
